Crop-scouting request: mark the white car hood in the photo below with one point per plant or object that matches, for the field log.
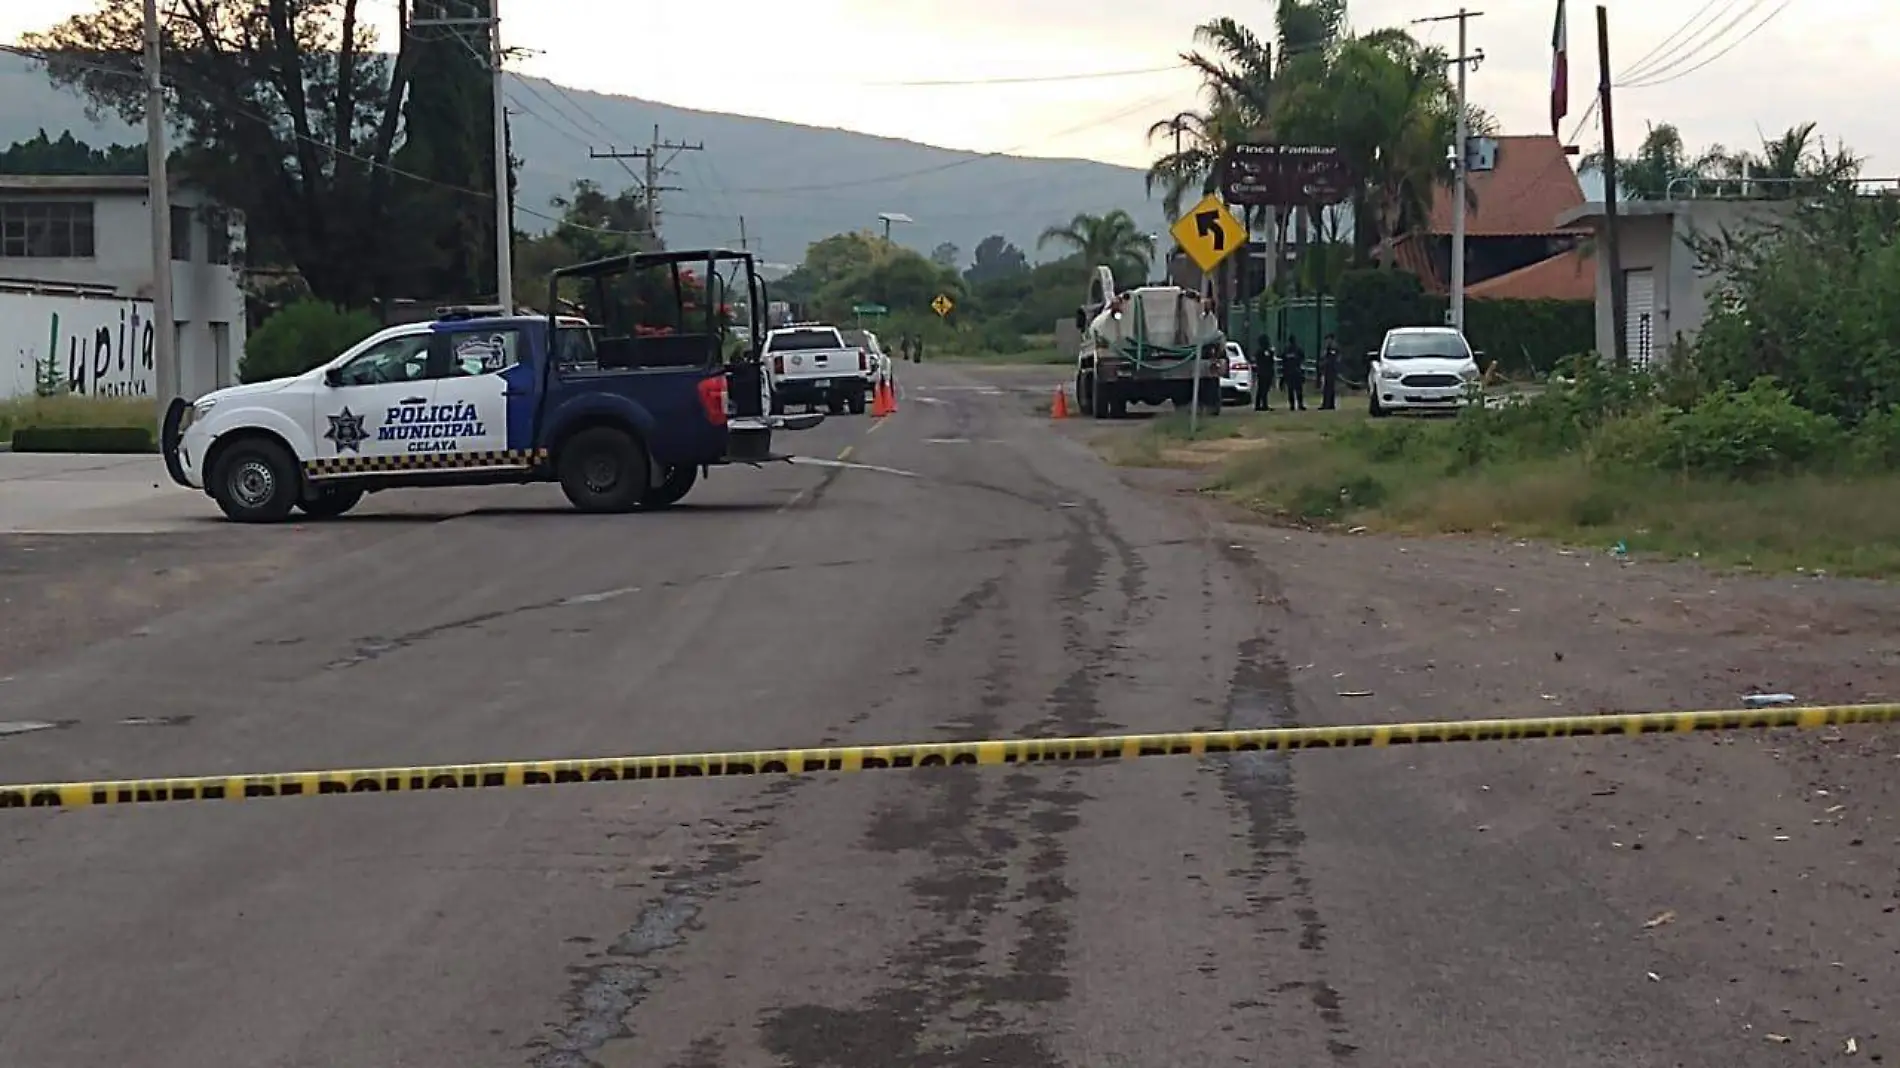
(252, 389)
(1427, 365)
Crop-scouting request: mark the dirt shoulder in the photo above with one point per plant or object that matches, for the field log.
(60, 593)
(1749, 876)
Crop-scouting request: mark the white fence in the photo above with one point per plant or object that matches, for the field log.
(97, 346)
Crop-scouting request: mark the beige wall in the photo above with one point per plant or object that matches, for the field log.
(1660, 242)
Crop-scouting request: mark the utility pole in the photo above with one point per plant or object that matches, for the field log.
(165, 370)
(1460, 162)
(744, 245)
(1619, 327)
(504, 203)
(656, 169)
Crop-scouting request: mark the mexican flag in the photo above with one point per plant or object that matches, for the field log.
(1559, 69)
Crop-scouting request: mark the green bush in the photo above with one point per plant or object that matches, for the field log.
(106, 439)
(1877, 441)
(1810, 302)
(1729, 433)
(1372, 301)
(1524, 337)
(304, 335)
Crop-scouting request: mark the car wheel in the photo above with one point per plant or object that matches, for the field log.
(678, 482)
(328, 503)
(1084, 394)
(256, 481)
(834, 405)
(1373, 407)
(603, 469)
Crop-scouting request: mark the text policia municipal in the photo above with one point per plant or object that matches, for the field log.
(431, 427)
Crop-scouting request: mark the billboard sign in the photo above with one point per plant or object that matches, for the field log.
(1284, 176)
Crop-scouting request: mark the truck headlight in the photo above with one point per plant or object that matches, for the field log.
(1469, 374)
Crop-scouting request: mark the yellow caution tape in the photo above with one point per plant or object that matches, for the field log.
(920, 755)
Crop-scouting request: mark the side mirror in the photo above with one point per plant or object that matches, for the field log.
(333, 377)
(1081, 319)
(1477, 354)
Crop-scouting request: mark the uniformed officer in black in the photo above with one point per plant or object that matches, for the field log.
(1263, 375)
(1293, 375)
(1329, 375)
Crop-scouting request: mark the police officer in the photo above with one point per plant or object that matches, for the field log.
(1293, 374)
(903, 347)
(1329, 375)
(1263, 374)
(917, 354)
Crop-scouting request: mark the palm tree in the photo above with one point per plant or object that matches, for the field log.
(1114, 239)
(1386, 101)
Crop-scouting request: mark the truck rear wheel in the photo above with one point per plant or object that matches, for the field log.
(678, 482)
(603, 469)
(256, 481)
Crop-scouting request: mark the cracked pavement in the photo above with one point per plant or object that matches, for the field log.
(1469, 906)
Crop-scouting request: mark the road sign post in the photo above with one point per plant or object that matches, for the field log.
(942, 305)
(1209, 234)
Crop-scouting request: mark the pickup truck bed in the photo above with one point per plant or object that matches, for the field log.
(813, 366)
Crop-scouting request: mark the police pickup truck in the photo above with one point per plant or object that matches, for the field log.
(812, 364)
(624, 419)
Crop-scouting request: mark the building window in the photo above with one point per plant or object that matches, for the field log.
(181, 235)
(217, 235)
(46, 229)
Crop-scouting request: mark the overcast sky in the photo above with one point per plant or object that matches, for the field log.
(820, 62)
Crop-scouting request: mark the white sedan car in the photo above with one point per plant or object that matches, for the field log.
(1420, 368)
(1236, 385)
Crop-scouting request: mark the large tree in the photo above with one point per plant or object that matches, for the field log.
(286, 111)
(1385, 100)
(1114, 240)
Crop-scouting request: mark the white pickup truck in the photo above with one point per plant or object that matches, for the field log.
(811, 364)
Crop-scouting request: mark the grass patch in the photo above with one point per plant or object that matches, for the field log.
(1733, 481)
(76, 411)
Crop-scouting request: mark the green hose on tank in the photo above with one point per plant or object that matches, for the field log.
(1137, 350)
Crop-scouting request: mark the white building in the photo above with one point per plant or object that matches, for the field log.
(1666, 294)
(76, 287)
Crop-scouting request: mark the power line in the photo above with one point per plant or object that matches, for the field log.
(1637, 69)
(1713, 38)
(1733, 45)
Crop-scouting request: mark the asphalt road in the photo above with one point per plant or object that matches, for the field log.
(1156, 914)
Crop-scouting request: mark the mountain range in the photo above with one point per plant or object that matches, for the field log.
(792, 184)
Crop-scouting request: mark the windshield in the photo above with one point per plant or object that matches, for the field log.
(1435, 345)
(802, 340)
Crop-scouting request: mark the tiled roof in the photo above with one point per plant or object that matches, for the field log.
(1411, 254)
(1532, 184)
(1570, 275)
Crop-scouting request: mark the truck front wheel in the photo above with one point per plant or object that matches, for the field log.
(603, 469)
(256, 481)
(328, 503)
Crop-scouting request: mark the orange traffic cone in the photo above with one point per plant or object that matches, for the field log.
(890, 398)
(880, 402)
(1060, 409)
